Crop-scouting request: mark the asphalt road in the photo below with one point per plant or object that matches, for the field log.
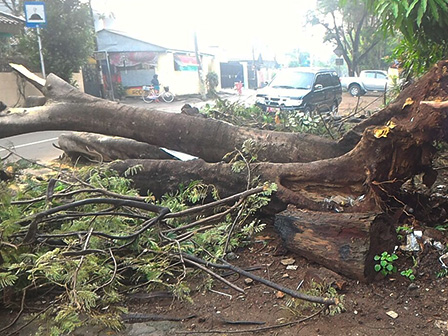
(36, 146)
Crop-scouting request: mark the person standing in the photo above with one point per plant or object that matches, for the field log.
(155, 82)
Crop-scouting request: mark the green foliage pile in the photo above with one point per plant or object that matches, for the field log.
(284, 121)
(90, 255)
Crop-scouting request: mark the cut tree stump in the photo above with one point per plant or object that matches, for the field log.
(342, 242)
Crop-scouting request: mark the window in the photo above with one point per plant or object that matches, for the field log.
(324, 80)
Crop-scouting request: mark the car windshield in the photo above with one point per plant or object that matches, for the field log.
(293, 80)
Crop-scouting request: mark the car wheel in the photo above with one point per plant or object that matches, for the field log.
(308, 111)
(355, 90)
(334, 109)
(262, 107)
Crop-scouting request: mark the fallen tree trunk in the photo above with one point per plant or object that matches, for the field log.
(345, 243)
(67, 108)
(100, 148)
(365, 179)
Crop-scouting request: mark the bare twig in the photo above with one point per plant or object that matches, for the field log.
(22, 305)
(293, 293)
(146, 226)
(139, 318)
(201, 208)
(75, 274)
(235, 221)
(217, 276)
(16, 332)
(113, 275)
(241, 331)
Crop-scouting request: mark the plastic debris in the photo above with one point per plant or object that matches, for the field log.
(411, 243)
(443, 256)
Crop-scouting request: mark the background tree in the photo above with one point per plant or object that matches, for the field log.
(67, 40)
(352, 28)
(15, 6)
(423, 25)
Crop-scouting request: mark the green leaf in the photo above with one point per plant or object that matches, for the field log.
(443, 5)
(411, 7)
(394, 9)
(383, 263)
(377, 257)
(377, 268)
(389, 267)
(434, 10)
(421, 11)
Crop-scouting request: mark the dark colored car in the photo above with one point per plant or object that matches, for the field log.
(303, 89)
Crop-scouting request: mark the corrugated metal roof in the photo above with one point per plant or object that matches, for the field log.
(118, 41)
(10, 24)
(11, 19)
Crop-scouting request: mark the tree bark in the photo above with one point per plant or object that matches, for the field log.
(344, 243)
(100, 148)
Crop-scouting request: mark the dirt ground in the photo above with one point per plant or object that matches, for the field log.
(420, 306)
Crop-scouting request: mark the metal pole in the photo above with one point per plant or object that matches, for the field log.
(109, 75)
(40, 52)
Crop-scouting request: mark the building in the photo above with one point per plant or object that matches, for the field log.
(129, 62)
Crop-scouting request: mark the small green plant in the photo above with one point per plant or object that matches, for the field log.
(212, 82)
(442, 273)
(119, 90)
(403, 229)
(386, 263)
(409, 273)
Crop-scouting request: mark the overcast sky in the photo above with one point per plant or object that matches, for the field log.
(273, 27)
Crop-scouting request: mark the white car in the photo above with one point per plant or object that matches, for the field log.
(368, 80)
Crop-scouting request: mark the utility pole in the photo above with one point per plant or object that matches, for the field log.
(198, 60)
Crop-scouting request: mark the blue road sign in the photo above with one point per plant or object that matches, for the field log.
(35, 14)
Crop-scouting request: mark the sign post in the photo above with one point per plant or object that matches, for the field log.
(36, 18)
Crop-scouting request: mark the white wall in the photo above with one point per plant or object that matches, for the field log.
(14, 89)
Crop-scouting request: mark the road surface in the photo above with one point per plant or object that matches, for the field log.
(36, 146)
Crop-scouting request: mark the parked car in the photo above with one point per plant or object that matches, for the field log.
(368, 80)
(303, 89)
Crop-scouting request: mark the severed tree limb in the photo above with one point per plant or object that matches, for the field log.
(35, 219)
(103, 148)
